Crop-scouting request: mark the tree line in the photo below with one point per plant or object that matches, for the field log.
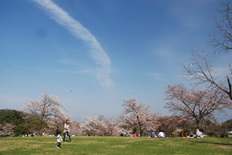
(136, 118)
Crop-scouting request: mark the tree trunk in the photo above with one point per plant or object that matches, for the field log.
(140, 127)
(198, 123)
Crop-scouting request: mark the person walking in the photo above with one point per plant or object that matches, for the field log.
(67, 130)
(59, 140)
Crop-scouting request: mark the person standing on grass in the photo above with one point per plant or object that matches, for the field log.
(67, 130)
(59, 140)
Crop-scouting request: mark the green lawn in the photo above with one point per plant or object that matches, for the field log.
(116, 146)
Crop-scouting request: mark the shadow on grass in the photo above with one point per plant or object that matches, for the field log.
(216, 143)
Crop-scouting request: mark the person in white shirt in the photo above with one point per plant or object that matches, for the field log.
(161, 134)
(198, 133)
(59, 140)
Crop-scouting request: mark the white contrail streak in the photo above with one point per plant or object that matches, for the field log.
(97, 53)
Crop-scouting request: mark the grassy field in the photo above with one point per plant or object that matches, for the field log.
(116, 146)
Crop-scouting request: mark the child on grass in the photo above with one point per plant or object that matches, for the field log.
(59, 140)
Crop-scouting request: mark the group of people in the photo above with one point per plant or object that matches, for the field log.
(66, 132)
(161, 134)
(199, 134)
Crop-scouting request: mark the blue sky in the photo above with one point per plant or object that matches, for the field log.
(94, 54)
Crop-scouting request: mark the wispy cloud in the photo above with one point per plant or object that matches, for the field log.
(103, 71)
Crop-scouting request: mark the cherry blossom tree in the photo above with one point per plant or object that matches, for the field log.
(196, 104)
(45, 112)
(138, 117)
(6, 130)
(75, 128)
(169, 124)
(99, 126)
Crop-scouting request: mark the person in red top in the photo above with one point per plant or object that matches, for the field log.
(185, 134)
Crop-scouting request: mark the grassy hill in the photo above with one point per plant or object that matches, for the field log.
(116, 146)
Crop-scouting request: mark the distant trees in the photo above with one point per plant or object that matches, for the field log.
(170, 124)
(6, 130)
(99, 126)
(11, 116)
(75, 128)
(47, 112)
(138, 117)
(196, 104)
(12, 123)
(37, 115)
(227, 125)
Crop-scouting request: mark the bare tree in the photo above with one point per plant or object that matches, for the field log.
(201, 71)
(196, 104)
(138, 117)
(222, 39)
(47, 111)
